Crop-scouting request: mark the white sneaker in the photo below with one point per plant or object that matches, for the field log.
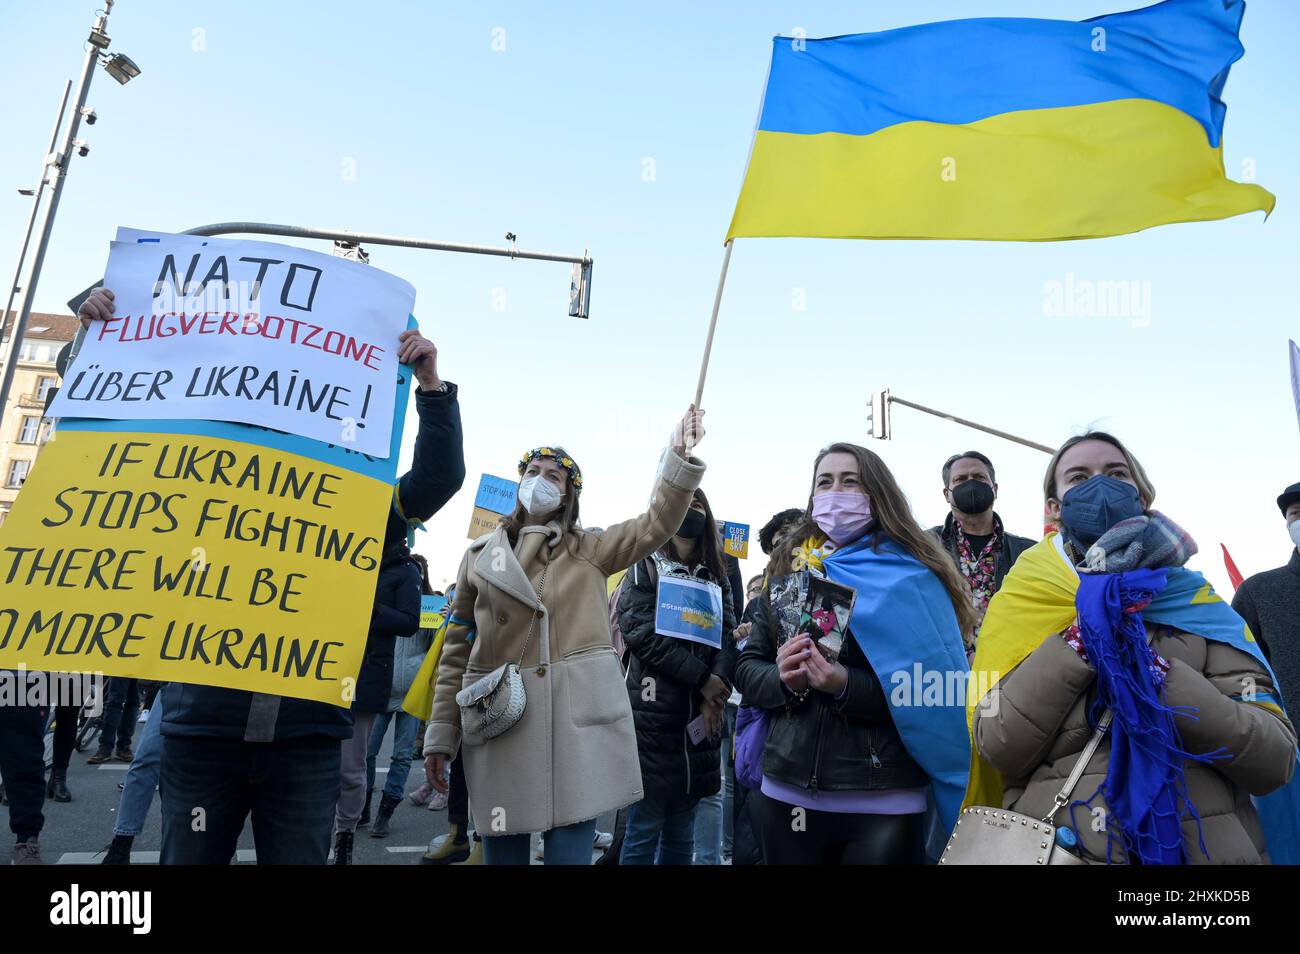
(603, 840)
(437, 802)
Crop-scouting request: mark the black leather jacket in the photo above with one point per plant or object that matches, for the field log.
(846, 744)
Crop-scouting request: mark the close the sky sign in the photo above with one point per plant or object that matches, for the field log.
(254, 332)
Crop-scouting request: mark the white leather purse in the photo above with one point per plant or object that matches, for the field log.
(995, 836)
(494, 704)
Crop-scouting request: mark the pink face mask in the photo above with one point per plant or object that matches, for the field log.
(842, 516)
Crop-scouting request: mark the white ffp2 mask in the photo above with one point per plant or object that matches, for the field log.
(539, 496)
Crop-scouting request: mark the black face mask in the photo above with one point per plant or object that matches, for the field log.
(972, 496)
(692, 526)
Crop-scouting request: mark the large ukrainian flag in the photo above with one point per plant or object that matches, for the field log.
(1012, 129)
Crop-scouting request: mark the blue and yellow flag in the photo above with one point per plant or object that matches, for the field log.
(907, 628)
(1004, 129)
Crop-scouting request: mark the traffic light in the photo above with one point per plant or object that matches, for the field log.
(878, 423)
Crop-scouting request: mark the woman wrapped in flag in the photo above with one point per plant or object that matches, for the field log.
(861, 766)
(1103, 615)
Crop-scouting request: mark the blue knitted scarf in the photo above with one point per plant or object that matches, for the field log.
(1145, 783)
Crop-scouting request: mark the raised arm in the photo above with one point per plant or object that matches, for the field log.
(438, 467)
(625, 543)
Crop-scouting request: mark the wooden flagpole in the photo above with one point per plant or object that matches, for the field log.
(713, 323)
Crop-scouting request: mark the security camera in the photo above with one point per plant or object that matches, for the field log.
(82, 148)
(90, 116)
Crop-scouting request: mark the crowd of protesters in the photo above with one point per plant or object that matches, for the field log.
(768, 728)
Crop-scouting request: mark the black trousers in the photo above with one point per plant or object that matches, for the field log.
(65, 736)
(457, 796)
(22, 767)
(806, 837)
(746, 844)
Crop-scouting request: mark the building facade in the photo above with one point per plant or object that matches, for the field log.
(24, 428)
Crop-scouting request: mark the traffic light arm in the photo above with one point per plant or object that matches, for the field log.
(886, 432)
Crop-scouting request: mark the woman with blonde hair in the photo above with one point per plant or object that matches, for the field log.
(1115, 661)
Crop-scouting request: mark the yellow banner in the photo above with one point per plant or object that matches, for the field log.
(482, 521)
(193, 559)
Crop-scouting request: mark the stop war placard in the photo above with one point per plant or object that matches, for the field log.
(253, 332)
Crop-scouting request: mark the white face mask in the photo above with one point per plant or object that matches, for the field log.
(1293, 528)
(539, 496)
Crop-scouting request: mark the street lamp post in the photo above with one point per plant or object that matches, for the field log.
(122, 69)
(36, 195)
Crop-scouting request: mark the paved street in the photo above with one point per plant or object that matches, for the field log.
(77, 832)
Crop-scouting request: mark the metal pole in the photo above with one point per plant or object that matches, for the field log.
(31, 219)
(979, 427)
(368, 238)
(713, 323)
(60, 172)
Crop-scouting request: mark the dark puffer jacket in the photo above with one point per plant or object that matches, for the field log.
(436, 473)
(823, 743)
(664, 679)
(396, 614)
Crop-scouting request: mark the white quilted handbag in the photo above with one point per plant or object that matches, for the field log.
(494, 704)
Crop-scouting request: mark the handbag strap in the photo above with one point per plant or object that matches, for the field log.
(541, 585)
(1063, 796)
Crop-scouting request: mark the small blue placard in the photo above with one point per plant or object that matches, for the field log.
(497, 494)
(735, 539)
(431, 606)
(689, 609)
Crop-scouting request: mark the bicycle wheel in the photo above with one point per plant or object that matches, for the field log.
(86, 726)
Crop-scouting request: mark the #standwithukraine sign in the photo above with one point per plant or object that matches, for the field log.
(243, 331)
(199, 551)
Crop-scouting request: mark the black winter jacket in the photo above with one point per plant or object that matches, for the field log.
(822, 743)
(664, 679)
(437, 472)
(396, 614)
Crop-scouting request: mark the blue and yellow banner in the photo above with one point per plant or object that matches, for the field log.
(735, 539)
(999, 128)
(690, 610)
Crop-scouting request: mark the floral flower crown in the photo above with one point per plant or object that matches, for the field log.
(563, 460)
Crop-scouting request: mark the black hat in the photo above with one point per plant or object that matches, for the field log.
(1289, 496)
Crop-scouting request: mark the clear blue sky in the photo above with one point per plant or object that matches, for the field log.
(263, 111)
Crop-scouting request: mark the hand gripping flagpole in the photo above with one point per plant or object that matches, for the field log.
(713, 323)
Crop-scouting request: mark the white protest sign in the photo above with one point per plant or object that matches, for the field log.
(254, 332)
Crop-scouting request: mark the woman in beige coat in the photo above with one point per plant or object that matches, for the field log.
(535, 589)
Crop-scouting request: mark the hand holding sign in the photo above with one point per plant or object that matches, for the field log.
(420, 353)
(98, 307)
(790, 662)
